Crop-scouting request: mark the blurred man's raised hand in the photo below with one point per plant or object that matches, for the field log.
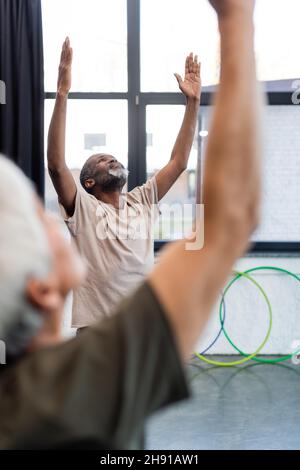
(228, 7)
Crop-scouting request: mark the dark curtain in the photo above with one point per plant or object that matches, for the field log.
(22, 71)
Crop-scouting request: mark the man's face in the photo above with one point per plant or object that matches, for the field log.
(108, 173)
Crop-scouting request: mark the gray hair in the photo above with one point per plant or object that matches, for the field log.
(24, 253)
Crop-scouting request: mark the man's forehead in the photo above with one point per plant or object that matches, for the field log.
(93, 159)
(100, 156)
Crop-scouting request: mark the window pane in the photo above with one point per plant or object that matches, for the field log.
(277, 39)
(163, 124)
(280, 219)
(93, 126)
(165, 45)
(163, 51)
(98, 34)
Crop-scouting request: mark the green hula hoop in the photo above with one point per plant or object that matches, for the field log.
(250, 356)
(259, 359)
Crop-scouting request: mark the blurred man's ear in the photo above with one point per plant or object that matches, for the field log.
(89, 183)
(43, 294)
(45, 298)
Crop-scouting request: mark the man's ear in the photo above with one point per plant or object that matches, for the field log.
(89, 183)
(43, 294)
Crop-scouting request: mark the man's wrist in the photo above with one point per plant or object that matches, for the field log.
(62, 94)
(193, 100)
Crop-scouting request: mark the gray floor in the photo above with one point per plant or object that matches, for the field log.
(254, 406)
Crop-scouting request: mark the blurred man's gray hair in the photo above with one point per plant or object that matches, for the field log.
(24, 253)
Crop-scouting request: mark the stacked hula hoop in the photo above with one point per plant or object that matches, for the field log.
(222, 315)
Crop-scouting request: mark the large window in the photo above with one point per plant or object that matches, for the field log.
(125, 100)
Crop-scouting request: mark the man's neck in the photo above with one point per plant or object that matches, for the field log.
(112, 197)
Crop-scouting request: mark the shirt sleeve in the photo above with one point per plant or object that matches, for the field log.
(147, 193)
(84, 203)
(106, 382)
(147, 196)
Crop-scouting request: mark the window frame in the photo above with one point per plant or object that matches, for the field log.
(137, 104)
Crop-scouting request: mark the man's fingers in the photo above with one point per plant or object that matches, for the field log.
(191, 63)
(70, 55)
(67, 51)
(187, 65)
(195, 64)
(178, 78)
(199, 69)
(63, 51)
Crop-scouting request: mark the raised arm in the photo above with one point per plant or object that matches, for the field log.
(189, 282)
(61, 176)
(191, 88)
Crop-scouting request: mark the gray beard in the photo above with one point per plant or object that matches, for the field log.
(118, 173)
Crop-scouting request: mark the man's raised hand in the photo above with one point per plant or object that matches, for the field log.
(65, 69)
(191, 85)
